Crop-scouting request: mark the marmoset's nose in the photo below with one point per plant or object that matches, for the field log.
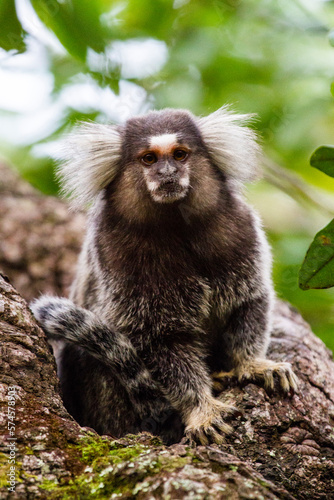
(167, 168)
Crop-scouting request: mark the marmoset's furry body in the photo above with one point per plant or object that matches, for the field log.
(173, 283)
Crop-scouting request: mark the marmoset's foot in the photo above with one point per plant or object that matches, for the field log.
(205, 423)
(261, 369)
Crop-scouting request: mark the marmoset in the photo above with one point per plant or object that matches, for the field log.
(173, 283)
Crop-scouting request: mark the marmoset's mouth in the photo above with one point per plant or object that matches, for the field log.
(169, 191)
(169, 186)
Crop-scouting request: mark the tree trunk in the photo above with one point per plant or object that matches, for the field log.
(39, 238)
(282, 447)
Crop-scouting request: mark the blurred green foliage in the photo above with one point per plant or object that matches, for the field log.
(11, 33)
(317, 270)
(76, 24)
(269, 57)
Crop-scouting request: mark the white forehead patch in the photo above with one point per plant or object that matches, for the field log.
(163, 141)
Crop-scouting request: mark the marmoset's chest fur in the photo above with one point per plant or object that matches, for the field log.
(163, 277)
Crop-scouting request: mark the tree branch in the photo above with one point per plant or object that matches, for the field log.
(282, 447)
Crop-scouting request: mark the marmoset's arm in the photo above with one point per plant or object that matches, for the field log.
(183, 376)
(246, 337)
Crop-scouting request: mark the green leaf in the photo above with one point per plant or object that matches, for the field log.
(11, 33)
(38, 171)
(317, 270)
(323, 159)
(331, 37)
(76, 23)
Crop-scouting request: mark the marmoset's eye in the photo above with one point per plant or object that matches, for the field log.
(149, 159)
(180, 154)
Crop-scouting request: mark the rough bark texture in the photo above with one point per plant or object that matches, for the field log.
(282, 447)
(39, 238)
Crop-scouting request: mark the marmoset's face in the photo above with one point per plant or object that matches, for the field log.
(165, 165)
(160, 149)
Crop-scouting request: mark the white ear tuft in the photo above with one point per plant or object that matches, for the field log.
(90, 161)
(231, 144)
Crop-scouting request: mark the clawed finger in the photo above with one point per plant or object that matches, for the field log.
(188, 439)
(203, 436)
(218, 385)
(214, 436)
(213, 433)
(221, 379)
(223, 427)
(284, 380)
(287, 379)
(293, 380)
(223, 375)
(268, 379)
(227, 410)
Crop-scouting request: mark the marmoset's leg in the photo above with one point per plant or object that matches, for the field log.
(94, 396)
(177, 373)
(105, 385)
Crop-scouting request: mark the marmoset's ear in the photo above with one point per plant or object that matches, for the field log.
(90, 160)
(231, 144)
